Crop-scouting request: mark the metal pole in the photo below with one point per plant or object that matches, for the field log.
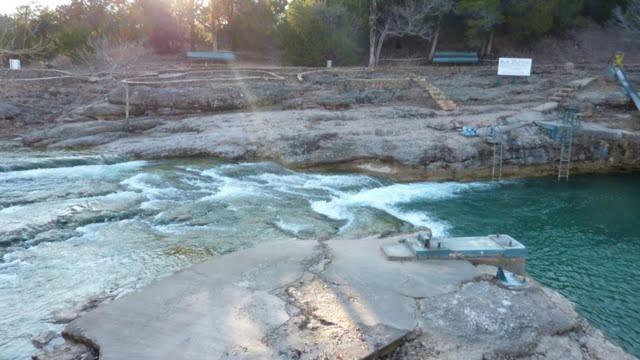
(126, 108)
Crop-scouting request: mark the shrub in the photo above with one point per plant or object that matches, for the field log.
(74, 41)
(313, 33)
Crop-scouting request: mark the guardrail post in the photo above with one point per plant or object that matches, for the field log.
(126, 107)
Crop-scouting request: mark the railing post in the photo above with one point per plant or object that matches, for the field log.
(126, 108)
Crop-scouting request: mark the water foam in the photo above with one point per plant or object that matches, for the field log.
(290, 228)
(229, 187)
(151, 185)
(391, 200)
(74, 172)
(36, 160)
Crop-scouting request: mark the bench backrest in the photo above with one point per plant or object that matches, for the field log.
(212, 55)
(455, 57)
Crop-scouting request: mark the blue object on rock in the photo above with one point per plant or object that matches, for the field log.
(510, 279)
(469, 131)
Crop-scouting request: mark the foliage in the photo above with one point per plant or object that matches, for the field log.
(254, 25)
(602, 10)
(529, 19)
(313, 33)
(629, 18)
(73, 40)
(162, 28)
(482, 18)
(413, 18)
(307, 32)
(568, 14)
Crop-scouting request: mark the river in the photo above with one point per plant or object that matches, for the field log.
(76, 225)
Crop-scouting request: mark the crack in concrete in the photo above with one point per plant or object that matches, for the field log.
(290, 293)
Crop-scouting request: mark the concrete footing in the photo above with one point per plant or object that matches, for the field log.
(494, 250)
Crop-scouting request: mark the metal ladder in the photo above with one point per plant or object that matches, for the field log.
(569, 121)
(496, 139)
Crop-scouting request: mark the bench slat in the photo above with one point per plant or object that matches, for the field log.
(456, 53)
(455, 57)
(455, 60)
(212, 55)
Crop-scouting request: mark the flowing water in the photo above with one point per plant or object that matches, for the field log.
(77, 225)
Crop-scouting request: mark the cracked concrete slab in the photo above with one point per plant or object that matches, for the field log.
(293, 299)
(387, 290)
(220, 308)
(335, 299)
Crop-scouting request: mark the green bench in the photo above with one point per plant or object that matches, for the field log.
(223, 56)
(455, 57)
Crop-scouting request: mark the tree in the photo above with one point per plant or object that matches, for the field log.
(253, 26)
(482, 18)
(26, 34)
(602, 10)
(629, 19)
(568, 15)
(528, 20)
(419, 18)
(315, 32)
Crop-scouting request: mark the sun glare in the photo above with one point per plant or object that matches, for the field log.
(9, 6)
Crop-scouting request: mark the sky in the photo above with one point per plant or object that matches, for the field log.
(9, 6)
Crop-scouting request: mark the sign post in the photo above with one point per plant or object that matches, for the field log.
(514, 67)
(14, 64)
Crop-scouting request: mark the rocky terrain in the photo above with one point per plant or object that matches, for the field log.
(404, 123)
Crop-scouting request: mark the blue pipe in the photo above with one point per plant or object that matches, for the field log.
(627, 87)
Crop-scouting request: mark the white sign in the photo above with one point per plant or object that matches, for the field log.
(14, 64)
(514, 67)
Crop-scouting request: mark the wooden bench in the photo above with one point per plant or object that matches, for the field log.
(222, 56)
(455, 57)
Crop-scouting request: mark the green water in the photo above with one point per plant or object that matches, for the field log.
(583, 240)
(76, 225)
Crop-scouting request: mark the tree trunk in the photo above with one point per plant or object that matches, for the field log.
(381, 39)
(373, 17)
(490, 44)
(214, 27)
(434, 42)
(192, 26)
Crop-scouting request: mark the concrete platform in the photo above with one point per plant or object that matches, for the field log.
(492, 250)
(334, 299)
(270, 300)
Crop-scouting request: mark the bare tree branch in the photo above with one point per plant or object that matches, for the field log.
(629, 19)
(419, 18)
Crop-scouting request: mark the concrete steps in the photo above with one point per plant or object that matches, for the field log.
(570, 89)
(437, 95)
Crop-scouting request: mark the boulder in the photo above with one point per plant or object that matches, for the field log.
(9, 110)
(546, 107)
(221, 97)
(103, 110)
(43, 339)
(607, 98)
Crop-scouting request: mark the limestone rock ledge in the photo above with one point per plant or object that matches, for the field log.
(409, 143)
